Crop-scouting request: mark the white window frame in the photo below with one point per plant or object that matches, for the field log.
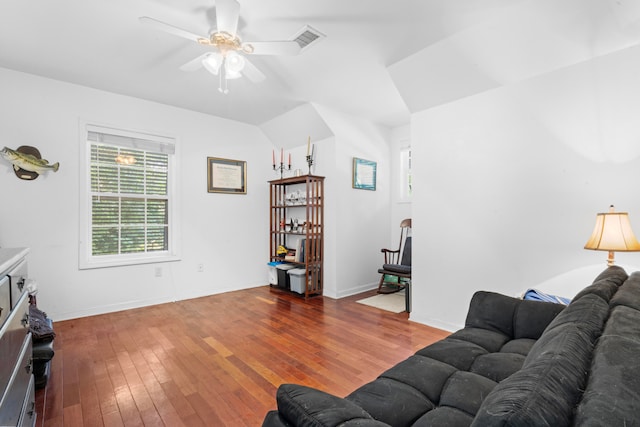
(405, 172)
(86, 259)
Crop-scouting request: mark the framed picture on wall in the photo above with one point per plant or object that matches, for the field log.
(226, 176)
(364, 174)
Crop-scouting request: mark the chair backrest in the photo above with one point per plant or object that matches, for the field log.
(400, 256)
(405, 242)
(406, 253)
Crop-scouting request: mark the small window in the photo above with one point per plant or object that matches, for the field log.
(130, 215)
(406, 184)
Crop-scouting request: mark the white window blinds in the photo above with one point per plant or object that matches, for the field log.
(130, 195)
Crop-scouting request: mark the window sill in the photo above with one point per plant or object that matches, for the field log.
(121, 261)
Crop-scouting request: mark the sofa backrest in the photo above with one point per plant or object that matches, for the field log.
(549, 385)
(612, 395)
(606, 284)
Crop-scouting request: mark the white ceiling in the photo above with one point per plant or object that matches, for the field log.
(101, 44)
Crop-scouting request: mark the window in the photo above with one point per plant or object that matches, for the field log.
(406, 183)
(128, 200)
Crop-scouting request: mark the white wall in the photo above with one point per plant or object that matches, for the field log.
(508, 183)
(226, 233)
(293, 128)
(361, 217)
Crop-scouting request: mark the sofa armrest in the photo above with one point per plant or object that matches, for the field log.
(273, 419)
(492, 311)
(304, 406)
(513, 317)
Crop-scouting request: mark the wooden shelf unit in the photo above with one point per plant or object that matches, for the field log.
(301, 198)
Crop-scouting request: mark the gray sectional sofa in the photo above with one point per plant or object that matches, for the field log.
(515, 363)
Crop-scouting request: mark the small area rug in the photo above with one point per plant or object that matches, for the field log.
(389, 302)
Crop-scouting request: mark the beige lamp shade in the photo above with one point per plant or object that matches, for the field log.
(613, 233)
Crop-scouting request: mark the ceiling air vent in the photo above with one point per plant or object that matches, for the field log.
(307, 37)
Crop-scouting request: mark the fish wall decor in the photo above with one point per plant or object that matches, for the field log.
(27, 162)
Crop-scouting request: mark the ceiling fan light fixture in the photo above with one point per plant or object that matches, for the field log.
(231, 75)
(234, 62)
(228, 61)
(212, 63)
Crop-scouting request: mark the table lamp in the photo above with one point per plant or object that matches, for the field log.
(613, 233)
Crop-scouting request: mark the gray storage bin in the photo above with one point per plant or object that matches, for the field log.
(297, 279)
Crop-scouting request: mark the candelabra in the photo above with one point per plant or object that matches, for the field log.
(309, 162)
(281, 168)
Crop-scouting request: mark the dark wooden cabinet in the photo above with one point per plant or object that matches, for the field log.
(296, 222)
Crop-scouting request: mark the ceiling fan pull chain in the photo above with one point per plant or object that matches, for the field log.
(223, 71)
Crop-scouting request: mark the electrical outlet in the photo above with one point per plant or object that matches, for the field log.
(158, 271)
(200, 268)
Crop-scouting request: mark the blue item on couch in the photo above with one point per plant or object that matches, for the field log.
(536, 295)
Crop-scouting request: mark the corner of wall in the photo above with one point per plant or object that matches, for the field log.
(294, 127)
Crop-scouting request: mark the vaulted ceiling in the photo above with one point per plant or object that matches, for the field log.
(379, 59)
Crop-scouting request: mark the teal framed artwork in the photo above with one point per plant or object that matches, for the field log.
(364, 174)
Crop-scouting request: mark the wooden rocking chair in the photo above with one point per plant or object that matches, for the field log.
(397, 264)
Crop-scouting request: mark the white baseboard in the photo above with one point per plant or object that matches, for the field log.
(434, 323)
(357, 290)
(128, 305)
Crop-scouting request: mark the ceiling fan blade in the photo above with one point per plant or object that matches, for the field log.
(163, 26)
(227, 15)
(195, 64)
(274, 48)
(251, 72)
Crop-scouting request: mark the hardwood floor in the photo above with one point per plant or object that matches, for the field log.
(217, 360)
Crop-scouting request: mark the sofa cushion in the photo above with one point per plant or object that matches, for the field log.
(426, 375)
(444, 416)
(612, 395)
(491, 341)
(466, 391)
(520, 346)
(497, 366)
(391, 401)
(457, 353)
(361, 422)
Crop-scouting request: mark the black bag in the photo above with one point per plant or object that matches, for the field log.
(39, 325)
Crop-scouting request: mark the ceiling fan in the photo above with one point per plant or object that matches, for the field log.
(228, 59)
